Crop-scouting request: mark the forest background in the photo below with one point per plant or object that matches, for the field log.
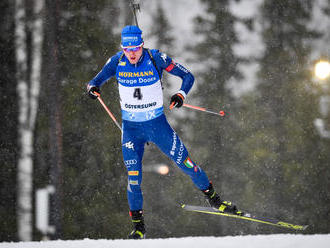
(269, 154)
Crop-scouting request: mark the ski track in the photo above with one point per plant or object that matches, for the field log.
(258, 241)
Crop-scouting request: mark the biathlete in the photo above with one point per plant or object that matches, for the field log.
(138, 71)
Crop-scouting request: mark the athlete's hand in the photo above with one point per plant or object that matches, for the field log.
(177, 100)
(92, 90)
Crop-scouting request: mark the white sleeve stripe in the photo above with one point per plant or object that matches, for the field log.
(182, 93)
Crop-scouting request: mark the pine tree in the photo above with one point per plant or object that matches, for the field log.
(94, 178)
(213, 140)
(9, 123)
(96, 159)
(161, 30)
(281, 147)
(164, 41)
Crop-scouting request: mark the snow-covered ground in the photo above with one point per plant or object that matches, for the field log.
(259, 241)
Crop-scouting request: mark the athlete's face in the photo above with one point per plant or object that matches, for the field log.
(133, 54)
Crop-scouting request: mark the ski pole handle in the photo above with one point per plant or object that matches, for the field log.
(108, 110)
(172, 105)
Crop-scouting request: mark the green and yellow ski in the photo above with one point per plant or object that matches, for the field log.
(245, 216)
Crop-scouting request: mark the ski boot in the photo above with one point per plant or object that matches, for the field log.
(138, 222)
(215, 201)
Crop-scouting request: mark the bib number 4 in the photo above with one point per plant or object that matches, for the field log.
(137, 94)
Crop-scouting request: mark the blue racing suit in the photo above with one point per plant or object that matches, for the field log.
(141, 100)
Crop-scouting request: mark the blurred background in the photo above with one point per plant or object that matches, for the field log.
(265, 63)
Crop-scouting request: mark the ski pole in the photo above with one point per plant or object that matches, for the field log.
(221, 112)
(108, 110)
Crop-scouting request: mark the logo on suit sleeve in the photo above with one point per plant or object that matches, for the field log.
(163, 56)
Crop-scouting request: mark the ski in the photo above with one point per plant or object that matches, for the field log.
(245, 216)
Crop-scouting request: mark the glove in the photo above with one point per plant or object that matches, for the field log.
(177, 100)
(91, 91)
